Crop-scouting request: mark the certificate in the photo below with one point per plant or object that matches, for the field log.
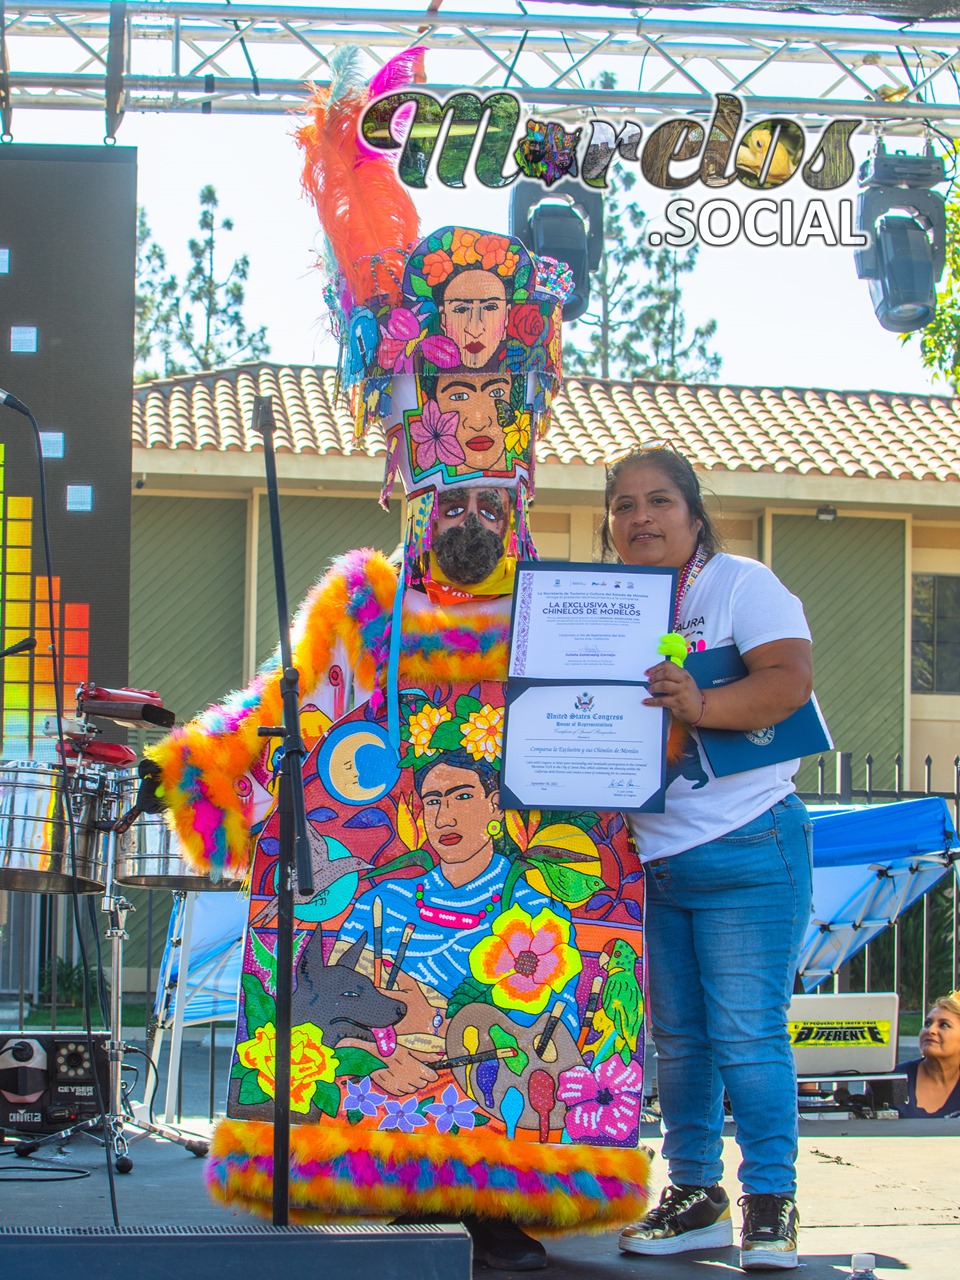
(587, 621)
(577, 735)
(582, 746)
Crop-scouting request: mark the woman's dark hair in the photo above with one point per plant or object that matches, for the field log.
(677, 469)
(462, 759)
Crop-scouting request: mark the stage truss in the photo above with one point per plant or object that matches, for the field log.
(178, 57)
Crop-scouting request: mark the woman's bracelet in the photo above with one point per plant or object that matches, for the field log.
(703, 711)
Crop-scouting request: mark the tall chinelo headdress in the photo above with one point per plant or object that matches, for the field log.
(450, 342)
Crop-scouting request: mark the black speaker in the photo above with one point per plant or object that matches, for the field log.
(48, 1079)
(270, 1253)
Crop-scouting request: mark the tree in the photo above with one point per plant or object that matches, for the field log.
(153, 311)
(198, 324)
(940, 340)
(636, 327)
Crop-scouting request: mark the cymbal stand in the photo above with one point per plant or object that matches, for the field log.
(116, 906)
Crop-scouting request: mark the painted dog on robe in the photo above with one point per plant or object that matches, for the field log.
(343, 1003)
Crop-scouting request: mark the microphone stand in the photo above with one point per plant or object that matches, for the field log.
(294, 842)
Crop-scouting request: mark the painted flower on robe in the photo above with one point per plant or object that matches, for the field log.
(404, 335)
(602, 1104)
(310, 1062)
(517, 435)
(526, 959)
(361, 1096)
(402, 1116)
(436, 267)
(483, 733)
(451, 1110)
(422, 727)
(435, 437)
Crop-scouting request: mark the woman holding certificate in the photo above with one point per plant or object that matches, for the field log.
(728, 877)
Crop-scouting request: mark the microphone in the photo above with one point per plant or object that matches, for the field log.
(20, 647)
(11, 401)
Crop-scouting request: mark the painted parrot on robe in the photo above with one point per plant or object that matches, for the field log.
(620, 1015)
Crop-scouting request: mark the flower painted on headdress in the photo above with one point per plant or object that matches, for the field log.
(493, 250)
(463, 249)
(404, 335)
(310, 1062)
(436, 267)
(517, 435)
(483, 733)
(526, 323)
(526, 959)
(452, 1110)
(422, 726)
(435, 436)
(509, 265)
(602, 1104)
(361, 1096)
(402, 1116)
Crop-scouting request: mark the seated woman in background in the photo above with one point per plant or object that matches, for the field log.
(933, 1079)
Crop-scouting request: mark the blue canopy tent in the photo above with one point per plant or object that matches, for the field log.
(199, 974)
(869, 865)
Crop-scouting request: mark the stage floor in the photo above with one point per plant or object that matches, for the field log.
(883, 1187)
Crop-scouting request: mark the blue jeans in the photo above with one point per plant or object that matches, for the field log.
(725, 921)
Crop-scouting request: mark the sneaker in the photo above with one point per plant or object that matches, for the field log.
(502, 1246)
(768, 1241)
(686, 1218)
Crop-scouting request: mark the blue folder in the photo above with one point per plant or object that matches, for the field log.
(729, 751)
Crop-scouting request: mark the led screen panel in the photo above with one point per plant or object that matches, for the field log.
(67, 280)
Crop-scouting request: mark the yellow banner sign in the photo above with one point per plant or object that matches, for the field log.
(850, 1031)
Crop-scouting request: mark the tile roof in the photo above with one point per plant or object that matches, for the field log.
(864, 434)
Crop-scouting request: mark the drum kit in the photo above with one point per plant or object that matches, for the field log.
(76, 824)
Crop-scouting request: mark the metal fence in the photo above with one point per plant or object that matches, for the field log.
(918, 956)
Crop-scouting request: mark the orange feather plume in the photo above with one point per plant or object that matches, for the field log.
(366, 213)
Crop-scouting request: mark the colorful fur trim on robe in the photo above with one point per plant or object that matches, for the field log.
(552, 1188)
(205, 761)
(468, 1011)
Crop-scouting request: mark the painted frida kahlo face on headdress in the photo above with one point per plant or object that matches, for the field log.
(461, 372)
(473, 313)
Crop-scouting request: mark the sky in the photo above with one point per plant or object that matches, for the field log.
(794, 316)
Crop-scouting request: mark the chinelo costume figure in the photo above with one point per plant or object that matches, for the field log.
(449, 967)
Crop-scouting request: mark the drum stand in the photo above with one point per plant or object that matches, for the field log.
(117, 1124)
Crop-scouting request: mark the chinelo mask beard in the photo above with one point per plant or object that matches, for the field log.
(469, 552)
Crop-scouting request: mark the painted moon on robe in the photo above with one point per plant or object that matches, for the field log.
(357, 764)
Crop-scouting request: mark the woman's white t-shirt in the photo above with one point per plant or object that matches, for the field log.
(738, 601)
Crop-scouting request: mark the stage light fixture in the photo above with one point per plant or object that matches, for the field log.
(565, 223)
(906, 222)
(827, 514)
